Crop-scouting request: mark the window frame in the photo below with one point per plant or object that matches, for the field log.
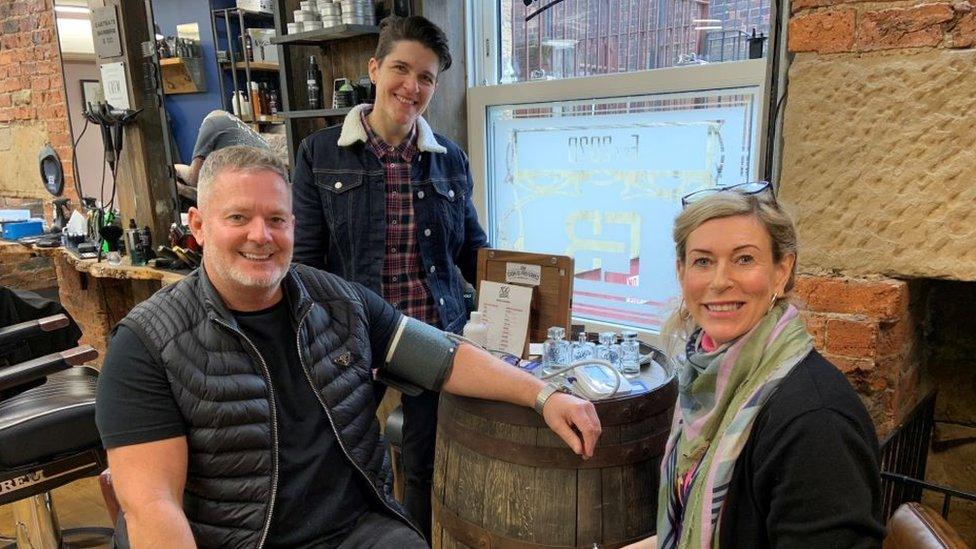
(483, 56)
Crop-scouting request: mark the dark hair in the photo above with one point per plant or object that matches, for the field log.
(416, 29)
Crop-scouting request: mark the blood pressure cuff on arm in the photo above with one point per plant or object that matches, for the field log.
(419, 357)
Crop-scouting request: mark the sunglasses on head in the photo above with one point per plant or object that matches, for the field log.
(752, 187)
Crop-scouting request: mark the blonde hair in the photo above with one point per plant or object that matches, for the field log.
(778, 224)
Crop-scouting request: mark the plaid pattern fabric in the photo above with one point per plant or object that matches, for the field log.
(403, 271)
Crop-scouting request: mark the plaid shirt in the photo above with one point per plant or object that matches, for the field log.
(403, 271)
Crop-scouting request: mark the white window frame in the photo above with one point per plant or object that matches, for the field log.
(483, 59)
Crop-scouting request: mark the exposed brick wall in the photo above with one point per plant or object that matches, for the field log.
(829, 26)
(33, 107)
(867, 329)
(877, 164)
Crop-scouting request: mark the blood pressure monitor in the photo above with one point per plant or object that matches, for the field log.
(597, 380)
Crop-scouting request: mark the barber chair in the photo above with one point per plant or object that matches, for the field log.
(48, 436)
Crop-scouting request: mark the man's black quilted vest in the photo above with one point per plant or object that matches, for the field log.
(221, 384)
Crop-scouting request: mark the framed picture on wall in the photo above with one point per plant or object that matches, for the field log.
(91, 92)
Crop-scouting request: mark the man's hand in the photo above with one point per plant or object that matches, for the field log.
(570, 418)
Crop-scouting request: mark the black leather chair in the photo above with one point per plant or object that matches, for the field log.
(48, 436)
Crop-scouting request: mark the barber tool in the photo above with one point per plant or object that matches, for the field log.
(111, 237)
(111, 121)
(180, 235)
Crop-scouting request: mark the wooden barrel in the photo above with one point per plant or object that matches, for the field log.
(503, 480)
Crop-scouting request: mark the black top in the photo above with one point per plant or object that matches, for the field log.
(320, 496)
(808, 476)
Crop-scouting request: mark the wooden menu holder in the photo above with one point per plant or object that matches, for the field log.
(552, 298)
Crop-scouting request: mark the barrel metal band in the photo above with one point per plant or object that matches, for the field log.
(477, 537)
(558, 457)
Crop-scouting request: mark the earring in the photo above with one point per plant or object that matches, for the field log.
(683, 312)
(772, 302)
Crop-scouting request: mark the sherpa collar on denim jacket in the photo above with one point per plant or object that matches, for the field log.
(353, 131)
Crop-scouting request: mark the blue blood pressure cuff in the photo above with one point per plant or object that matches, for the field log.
(419, 357)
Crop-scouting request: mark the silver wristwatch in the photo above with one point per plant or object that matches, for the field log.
(545, 393)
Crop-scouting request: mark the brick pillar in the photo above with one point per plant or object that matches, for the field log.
(866, 328)
(33, 104)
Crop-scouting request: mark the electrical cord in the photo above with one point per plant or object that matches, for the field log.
(74, 160)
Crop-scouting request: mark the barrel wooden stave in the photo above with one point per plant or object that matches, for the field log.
(485, 501)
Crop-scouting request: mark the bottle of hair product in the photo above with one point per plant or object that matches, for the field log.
(313, 77)
(265, 99)
(255, 101)
(476, 330)
(273, 101)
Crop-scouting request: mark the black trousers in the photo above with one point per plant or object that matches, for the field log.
(381, 532)
(419, 435)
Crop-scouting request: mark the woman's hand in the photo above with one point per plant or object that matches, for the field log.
(649, 543)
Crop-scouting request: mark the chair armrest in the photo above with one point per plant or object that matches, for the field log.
(25, 372)
(916, 526)
(23, 330)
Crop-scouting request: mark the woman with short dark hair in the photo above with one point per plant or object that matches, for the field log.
(384, 201)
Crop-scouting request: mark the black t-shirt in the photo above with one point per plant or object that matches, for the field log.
(320, 495)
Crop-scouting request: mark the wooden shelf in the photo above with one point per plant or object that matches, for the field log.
(311, 38)
(181, 75)
(256, 66)
(263, 119)
(317, 113)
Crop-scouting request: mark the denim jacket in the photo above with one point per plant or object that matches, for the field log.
(339, 194)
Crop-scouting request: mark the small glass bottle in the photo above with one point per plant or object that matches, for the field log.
(555, 351)
(608, 349)
(583, 349)
(629, 353)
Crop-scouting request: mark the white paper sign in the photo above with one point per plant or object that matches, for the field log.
(113, 85)
(520, 273)
(506, 309)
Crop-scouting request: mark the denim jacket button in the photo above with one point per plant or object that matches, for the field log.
(442, 302)
(426, 232)
(338, 184)
(420, 194)
(433, 268)
(450, 193)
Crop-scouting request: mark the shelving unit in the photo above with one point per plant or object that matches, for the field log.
(182, 75)
(255, 66)
(245, 19)
(314, 38)
(316, 113)
(347, 45)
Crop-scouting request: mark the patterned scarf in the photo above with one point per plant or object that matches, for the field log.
(720, 394)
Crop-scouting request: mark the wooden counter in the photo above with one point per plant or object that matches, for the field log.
(98, 295)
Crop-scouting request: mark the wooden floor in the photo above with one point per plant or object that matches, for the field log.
(77, 504)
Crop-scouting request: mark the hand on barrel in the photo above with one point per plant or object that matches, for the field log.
(572, 418)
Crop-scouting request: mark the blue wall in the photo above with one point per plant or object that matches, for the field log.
(186, 111)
